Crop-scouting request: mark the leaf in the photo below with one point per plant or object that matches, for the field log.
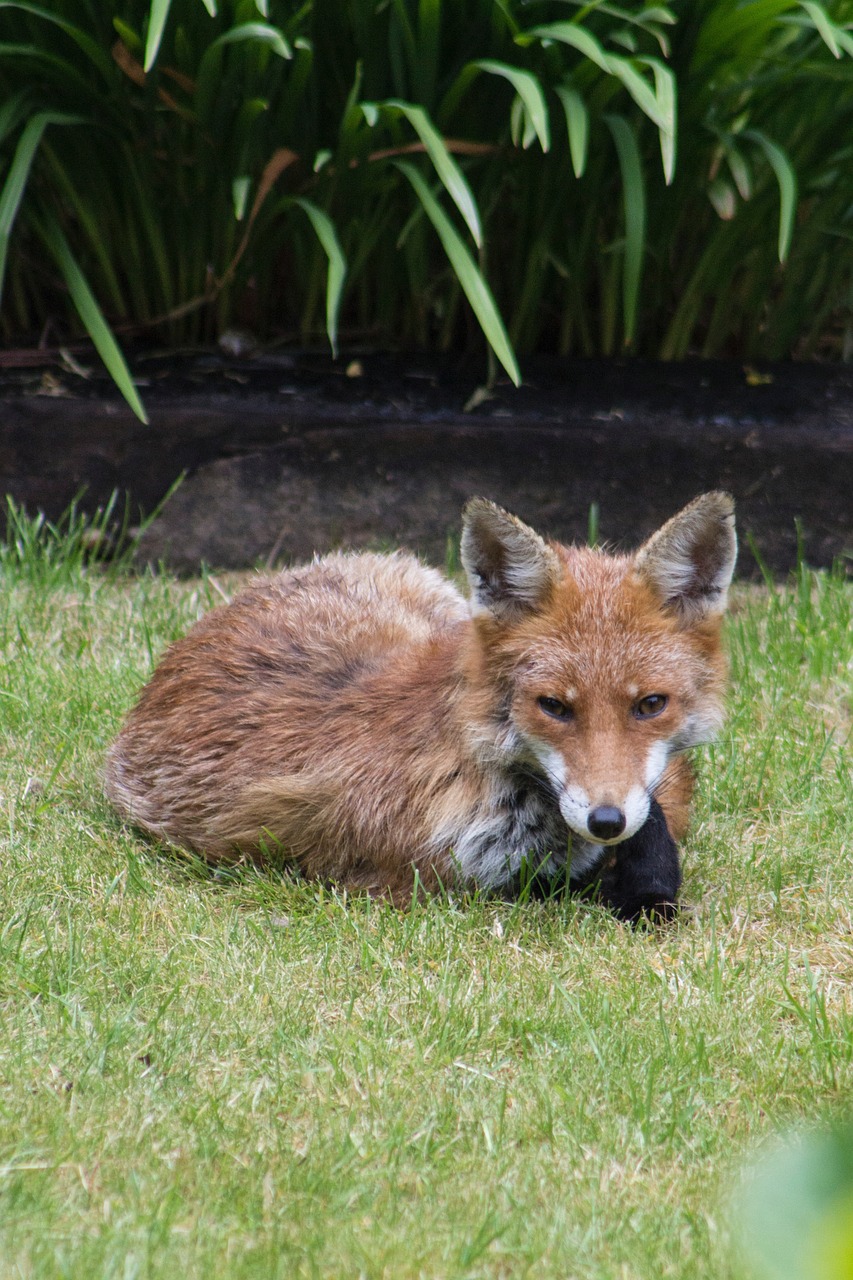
(787, 180)
(157, 16)
(722, 196)
(665, 92)
(529, 91)
(92, 317)
(474, 286)
(92, 49)
(448, 170)
(569, 33)
(824, 27)
(634, 202)
(16, 178)
(239, 195)
(326, 234)
(739, 170)
(577, 121)
(639, 90)
(12, 112)
(260, 31)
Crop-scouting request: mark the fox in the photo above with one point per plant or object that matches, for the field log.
(365, 721)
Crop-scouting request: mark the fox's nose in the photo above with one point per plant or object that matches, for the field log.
(606, 822)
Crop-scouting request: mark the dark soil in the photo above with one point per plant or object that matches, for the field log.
(290, 454)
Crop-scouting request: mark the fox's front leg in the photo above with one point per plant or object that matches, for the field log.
(645, 875)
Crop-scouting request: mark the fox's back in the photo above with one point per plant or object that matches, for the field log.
(281, 679)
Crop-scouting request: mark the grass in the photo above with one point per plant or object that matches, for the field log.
(239, 1075)
(528, 174)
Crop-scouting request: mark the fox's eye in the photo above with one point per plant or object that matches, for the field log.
(554, 707)
(652, 705)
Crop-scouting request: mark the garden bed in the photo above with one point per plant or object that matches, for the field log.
(287, 454)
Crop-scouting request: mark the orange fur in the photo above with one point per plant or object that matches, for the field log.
(358, 717)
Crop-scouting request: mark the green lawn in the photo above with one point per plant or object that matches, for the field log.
(240, 1075)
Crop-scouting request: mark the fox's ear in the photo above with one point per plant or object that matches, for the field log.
(689, 562)
(510, 569)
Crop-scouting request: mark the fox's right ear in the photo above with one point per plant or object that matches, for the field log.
(510, 569)
(689, 562)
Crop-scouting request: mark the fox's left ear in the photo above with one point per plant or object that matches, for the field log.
(510, 569)
(689, 562)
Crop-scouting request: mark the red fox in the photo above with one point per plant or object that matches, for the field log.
(361, 719)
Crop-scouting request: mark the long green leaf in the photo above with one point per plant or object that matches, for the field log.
(474, 286)
(91, 315)
(157, 16)
(262, 32)
(634, 203)
(665, 93)
(787, 180)
(13, 111)
(529, 91)
(823, 25)
(639, 90)
(577, 121)
(16, 179)
(568, 33)
(328, 237)
(94, 51)
(452, 178)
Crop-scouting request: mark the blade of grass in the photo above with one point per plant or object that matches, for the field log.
(474, 286)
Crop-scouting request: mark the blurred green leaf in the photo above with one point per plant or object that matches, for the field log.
(529, 91)
(261, 33)
(446, 167)
(796, 1215)
(91, 315)
(577, 121)
(326, 234)
(665, 91)
(157, 16)
(823, 25)
(641, 92)
(787, 180)
(16, 179)
(568, 33)
(634, 204)
(474, 286)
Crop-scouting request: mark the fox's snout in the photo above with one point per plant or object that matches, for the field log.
(606, 822)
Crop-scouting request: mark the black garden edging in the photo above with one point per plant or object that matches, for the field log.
(287, 455)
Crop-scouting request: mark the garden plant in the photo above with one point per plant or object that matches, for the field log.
(566, 177)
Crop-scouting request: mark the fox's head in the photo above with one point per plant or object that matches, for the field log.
(603, 666)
